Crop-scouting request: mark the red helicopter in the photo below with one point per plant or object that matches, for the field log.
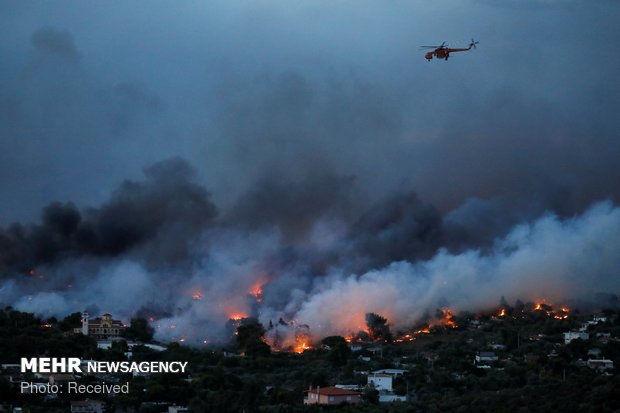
(443, 51)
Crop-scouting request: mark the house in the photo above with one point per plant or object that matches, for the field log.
(353, 387)
(485, 356)
(575, 335)
(87, 406)
(388, 397)
(376, 351)
(600, 364)
(380, 381)
(60, 378)
(391, 372)
(101, 328)
(331, 395)
(593, 322)
(177, 409)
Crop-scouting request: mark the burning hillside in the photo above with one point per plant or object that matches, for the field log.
(367, 276)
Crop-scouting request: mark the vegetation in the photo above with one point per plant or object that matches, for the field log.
(536, 371)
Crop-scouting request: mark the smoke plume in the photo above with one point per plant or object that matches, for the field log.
(157, 248)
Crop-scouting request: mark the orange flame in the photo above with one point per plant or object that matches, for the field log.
(197, 295)
(237, 316)
(301, 346)
(447, 318)
(502, 312)
(257, 290)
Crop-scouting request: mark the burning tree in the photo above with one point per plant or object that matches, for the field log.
(378, 328)
(289, 336)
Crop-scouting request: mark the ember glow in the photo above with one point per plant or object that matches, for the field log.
(257, 292)
(237, 316)
(548, 309)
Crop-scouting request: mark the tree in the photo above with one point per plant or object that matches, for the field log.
(371, 395)
(333, 341)
(139, 330)
(250, 338)
(378, 327)
(70, 322)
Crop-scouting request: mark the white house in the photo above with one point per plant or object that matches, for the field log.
(387, 397)
(601, 364)
(574, 335)
(485, 356)
(380, 381)
(391, 372)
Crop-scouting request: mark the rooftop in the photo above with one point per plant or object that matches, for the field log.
(333, 391)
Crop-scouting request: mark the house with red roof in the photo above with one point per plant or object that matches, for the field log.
(331, 395)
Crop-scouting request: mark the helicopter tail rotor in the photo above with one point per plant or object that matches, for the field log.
(473, 44)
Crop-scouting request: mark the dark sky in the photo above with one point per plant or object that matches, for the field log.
(91, 93)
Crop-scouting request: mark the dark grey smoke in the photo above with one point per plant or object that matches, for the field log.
(56, 42)
(295, 205)
(399, 228)
(165, 211)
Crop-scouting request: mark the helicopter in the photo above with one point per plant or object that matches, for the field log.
(443, 51)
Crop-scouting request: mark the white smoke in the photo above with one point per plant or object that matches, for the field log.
(550, 259)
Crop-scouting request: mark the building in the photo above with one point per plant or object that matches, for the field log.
(353, 387)
(60, 378)
(601, 364)
(391, 372)
(101, 328)
(485, 356)
(575, 335)
(331, 395)
(177, 409)
(593, 322)
(87, 406)
(389, 397)
(380, 381)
